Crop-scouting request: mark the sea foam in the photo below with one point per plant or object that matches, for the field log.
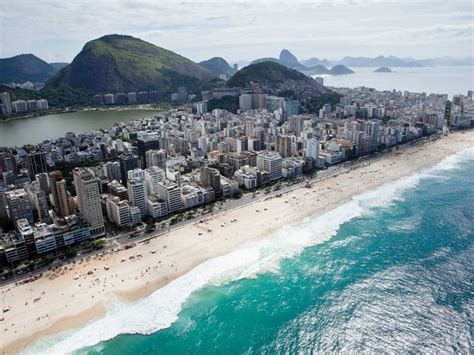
(161, 309)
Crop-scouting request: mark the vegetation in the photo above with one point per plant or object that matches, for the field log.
(117, 63)
(60, 97)
(229, 103)
(25, 67)
(265, 73)
(316, 102)
(217, 66)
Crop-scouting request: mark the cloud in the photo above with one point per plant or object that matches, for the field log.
(57, 30)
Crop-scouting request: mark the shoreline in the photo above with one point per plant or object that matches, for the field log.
(83, 109)
(168, 257)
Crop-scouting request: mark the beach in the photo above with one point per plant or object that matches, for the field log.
(77, 293)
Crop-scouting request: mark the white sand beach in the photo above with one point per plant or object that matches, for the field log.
(75, 294)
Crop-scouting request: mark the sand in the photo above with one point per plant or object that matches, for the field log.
(68, 298)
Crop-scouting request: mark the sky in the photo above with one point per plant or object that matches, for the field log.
(56, 30)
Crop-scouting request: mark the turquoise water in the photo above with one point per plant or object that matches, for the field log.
(391, 271)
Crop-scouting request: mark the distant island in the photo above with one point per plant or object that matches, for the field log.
(383, 70)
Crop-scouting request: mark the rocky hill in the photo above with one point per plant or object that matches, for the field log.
(118, 63)
(218, 66)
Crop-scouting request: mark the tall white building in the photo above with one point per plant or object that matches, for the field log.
(137, 193)
(270, 162)
(118, 211)
(171, 194)
(6, 102)
(88, 200)
(154, 175)
(312, 148)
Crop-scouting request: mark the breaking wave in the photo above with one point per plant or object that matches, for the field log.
(161, 309)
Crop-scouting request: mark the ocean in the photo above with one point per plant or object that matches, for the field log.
(390, 271)
(437, 80)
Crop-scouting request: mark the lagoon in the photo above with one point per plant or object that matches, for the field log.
(37, 129)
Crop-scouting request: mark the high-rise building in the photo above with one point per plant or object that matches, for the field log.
(3, 204)
(6, 102)
(60, 195)
(117, 189)
(296, 124)
(112, 171)
(36, 163)
(283, 145)
(170, 193)
(144, 144)
(43, 180)
(312, 148)
(38, 200)
(137, 192)
(109, 99)
(88, 200)
(245, 102)
(156, 158)
(154, 175)
(132, 98)
(291, 107)
(118, 211)
(42, 104)
(8, 163)
(19, 205)
(271, 162)
(211, 177)
(128, 162)
(32, 105)
(20, 106)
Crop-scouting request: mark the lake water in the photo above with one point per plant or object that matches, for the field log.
(438, 80)
(36, 129)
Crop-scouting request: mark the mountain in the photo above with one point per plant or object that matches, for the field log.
(340, 70)
(266, 73)
(318, 70)
(266, 59)
(383, 70)
(288, 58)
(312, 62)
(379, 61)
(119, 63)
(217, 66)
(447, 61)
(58, 66)
(25, 67)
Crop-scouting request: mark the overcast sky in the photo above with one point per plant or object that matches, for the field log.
(56, 30)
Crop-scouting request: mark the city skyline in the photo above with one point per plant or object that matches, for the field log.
(244, 30)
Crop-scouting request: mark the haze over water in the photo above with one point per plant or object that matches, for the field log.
(395, 276)
(437, 80)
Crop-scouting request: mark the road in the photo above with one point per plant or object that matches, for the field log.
(117, 242)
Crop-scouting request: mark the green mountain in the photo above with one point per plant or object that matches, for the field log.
(217, 66)
(58, 66)
(266, 73)
(118, 63)
(25, 67)
(340, 70)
